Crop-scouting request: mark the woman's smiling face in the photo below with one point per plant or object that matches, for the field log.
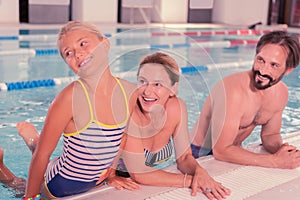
(76, 46)
(154, 86)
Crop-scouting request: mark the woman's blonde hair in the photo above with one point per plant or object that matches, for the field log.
(74, 25)
(169, 64)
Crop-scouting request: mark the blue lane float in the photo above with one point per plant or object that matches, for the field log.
(3, 38)
(193, 69)
(35, 83)
(30, 52)
(159, 46)
(183, 45)
(41, 52)
(214, 66)
(30, 84)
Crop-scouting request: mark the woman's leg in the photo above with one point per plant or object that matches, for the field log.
(29, 134)
(5, 174)
(9, 179)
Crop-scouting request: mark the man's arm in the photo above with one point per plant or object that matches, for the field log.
(225, 126)
(270, 133)
(201, 126)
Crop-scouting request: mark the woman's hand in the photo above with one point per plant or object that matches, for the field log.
(203, 182)
(121, 182)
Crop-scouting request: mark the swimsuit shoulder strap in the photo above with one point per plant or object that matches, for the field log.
(90, 108)
(125, 97)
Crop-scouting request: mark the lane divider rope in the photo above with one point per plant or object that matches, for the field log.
(35, 83)
(9, 86)
(214, 32)
(196, 44)
(51, 37)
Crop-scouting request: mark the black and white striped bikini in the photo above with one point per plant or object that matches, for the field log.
(155, 158)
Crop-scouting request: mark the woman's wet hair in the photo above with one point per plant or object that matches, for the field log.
(74, 25)
(169, 64)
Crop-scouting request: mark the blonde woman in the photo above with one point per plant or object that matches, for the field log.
(90, 113)
(158, 125)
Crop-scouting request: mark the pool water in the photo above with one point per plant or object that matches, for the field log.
(127, 49)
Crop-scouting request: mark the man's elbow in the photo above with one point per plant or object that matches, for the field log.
(271, 148)
(272, 143)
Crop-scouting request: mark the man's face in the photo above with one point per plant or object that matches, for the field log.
(269, 66)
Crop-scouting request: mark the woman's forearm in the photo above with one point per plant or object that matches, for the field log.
(187, 164)
(163, 178)
(36, 175)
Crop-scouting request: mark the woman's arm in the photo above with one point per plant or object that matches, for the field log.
(59, 115)
(184, 159)
(117, 181)
(186, 163)
(134, 158)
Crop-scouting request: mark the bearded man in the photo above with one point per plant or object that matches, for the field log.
(242, 101)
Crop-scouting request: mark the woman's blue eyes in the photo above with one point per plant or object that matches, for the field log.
(83, 43)
(141, 82)
(68, 53)
(156, 84)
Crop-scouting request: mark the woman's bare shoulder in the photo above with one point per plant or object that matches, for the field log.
(65, 95)
(129, 86)
(176, 106)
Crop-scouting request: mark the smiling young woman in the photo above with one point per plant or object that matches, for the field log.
(90, 115)
(158, 126)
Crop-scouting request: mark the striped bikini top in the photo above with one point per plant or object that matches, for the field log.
(88, 153)
(153, 159)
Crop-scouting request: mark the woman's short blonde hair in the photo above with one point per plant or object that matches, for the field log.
(73, 25)
(169, 64)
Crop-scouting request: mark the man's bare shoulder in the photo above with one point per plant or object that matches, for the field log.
(280, 92)
(234, 83)
(239, 78)
(282, 87)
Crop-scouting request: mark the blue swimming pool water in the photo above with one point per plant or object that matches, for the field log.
(126, 51)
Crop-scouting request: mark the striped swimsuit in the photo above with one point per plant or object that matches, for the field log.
(154, 159)
(87, 156)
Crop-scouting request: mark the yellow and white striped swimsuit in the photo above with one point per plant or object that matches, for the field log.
(87, 154)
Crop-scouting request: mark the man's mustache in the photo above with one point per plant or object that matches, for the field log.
(263, 75)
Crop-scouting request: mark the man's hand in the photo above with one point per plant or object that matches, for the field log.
(287, 157)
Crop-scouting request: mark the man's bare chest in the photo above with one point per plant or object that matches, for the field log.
(256, 117)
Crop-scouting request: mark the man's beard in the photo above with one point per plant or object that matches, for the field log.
(259, 84)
